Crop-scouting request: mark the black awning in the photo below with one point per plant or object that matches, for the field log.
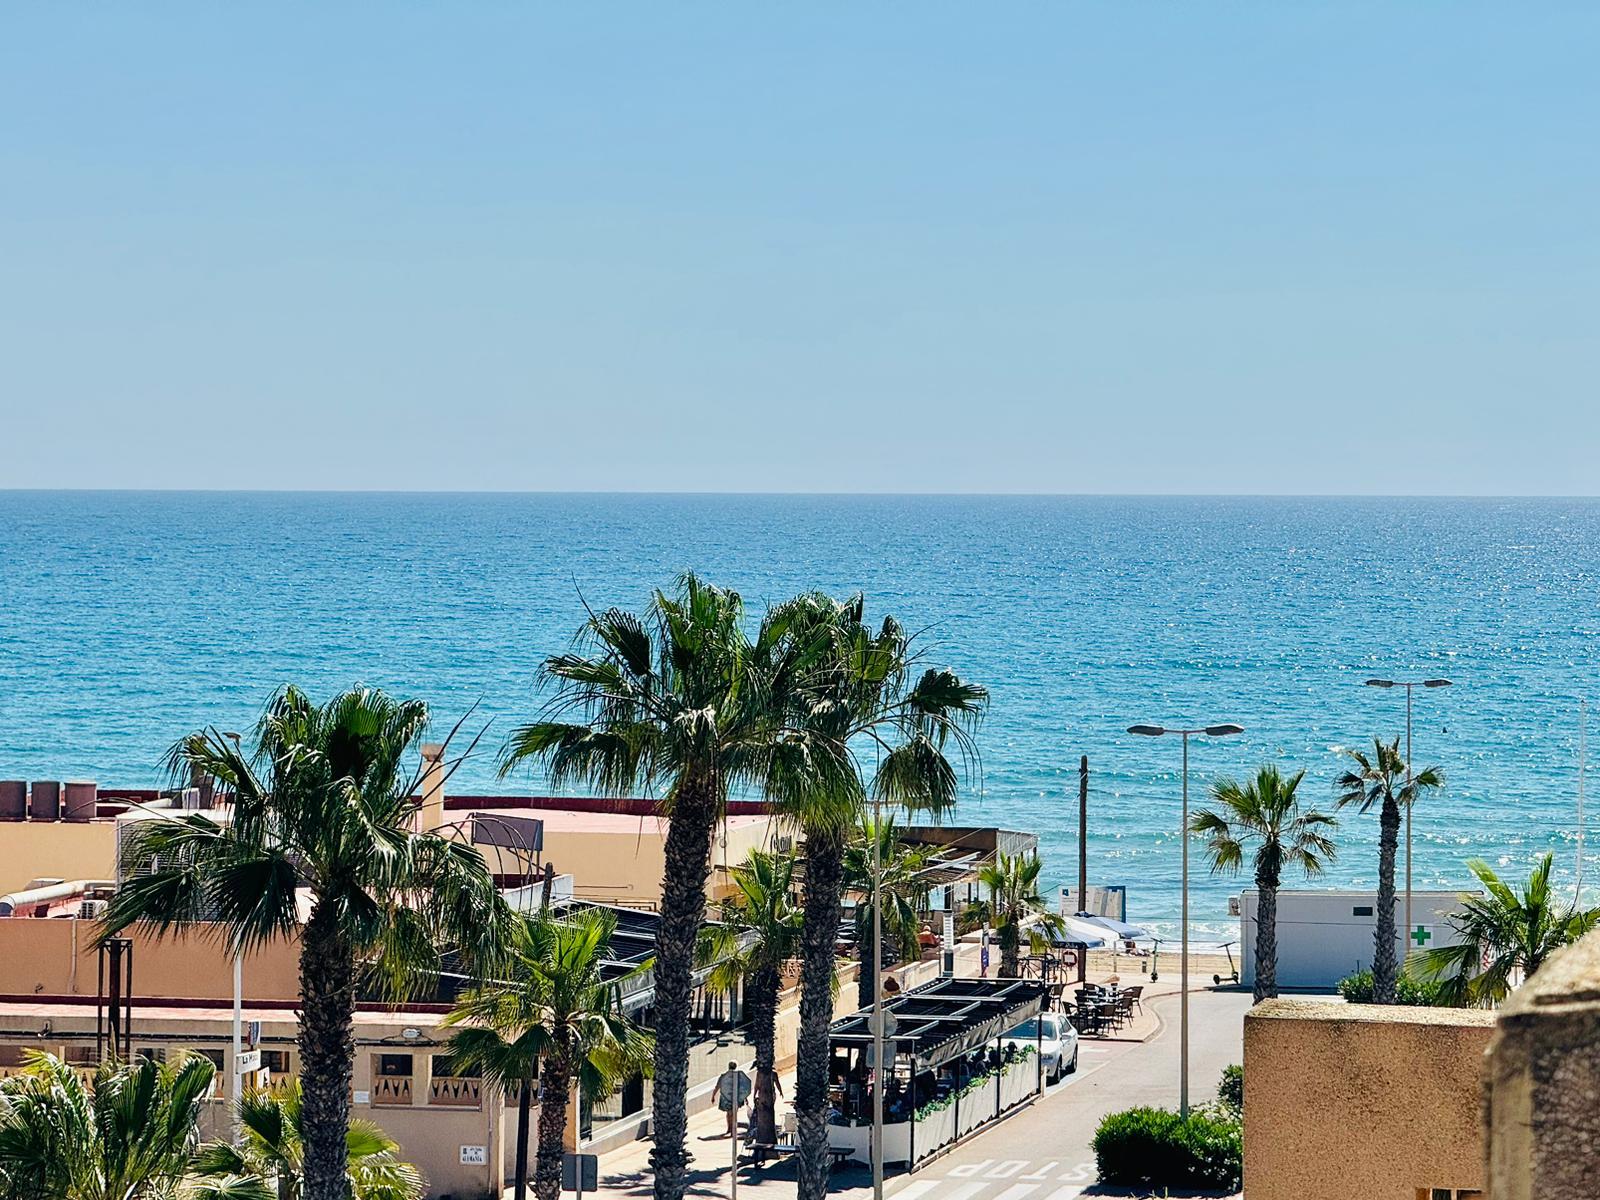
(946, 1019)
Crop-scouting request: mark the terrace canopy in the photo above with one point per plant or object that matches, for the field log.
(949, 1069)
(946, 1019)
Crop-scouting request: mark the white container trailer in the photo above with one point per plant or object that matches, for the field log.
(1325, 935)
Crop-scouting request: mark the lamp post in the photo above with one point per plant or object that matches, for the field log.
(1183, 969)
(879, 1076)
(1409, 685)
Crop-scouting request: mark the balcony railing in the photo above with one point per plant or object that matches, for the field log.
(450, 1092)
(391, 1091)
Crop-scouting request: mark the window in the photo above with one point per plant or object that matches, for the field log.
(453, 1086)
(391, 1080)
(276, 1061)
(11, 1056)
(1363, 910)
(393, 1065)
(214, 1057)
(153, 1053)
(81, 1055)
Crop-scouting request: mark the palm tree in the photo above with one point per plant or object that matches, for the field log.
(758, 931)
(322, 804)
(1014, 906)
(1264, 812)
(129, 1136)
(1502, 935)
(849, 687)
(680, 701)
(269, 1163)
(904, 897)
(556, 1017)
(1381, 781)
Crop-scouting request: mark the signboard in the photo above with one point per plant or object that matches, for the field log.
(248, 1061)
(983, 953)
(580, 1173)
(252, 1033)
(524, 834)
(733, 1089)
(1109, 901)
(361, 1098)
(474, 1156)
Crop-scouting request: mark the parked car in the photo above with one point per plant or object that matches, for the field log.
(1056, 1040)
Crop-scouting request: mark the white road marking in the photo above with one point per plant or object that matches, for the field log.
(1008, 1168)
(1041, 1172)
(965, 1192)
(1017, 1191)
(969, 1169)
(917, 1187)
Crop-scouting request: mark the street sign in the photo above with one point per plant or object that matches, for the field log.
(474, 1156)
(252, 1033)
(249, 1060)
(580, 1173)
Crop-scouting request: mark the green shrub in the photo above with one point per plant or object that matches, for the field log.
(1357, 989)
(1155, 1148)
(1230, 1091)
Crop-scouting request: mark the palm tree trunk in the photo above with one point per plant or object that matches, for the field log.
(1384, 966)
(870, 963)
(524, 1102)
(1266, 936)
(552, 1127)
(327, 1053)
(1010, 946)
(763, 998)
(823, 901)
(683, 911)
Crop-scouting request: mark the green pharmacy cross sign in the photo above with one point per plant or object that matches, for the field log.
(1420, 936)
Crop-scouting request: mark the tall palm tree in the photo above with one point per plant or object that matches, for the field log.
(1014, 907)
(269, 1164)
(758, 931)
(556, 1016)
(1502, 935)
(903, 894)
(1265, 812)
(324, 804)
(677, 701)
(1380, 781)
(875, 723)
(129, 1136)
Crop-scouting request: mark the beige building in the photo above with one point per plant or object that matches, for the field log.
(1363, 1102)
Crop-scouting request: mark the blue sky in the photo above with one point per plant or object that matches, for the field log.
(1219, 247)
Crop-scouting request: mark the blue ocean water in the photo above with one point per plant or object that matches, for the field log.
(127, 619)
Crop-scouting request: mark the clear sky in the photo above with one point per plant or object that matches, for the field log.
(1123, 247)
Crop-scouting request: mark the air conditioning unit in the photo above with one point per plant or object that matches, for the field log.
(93, 910)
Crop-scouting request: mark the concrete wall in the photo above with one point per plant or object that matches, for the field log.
(56, 850)
(1361, 1102)
(56, 956)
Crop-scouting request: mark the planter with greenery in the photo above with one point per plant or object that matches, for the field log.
(1357, 988)
(1157, 1148)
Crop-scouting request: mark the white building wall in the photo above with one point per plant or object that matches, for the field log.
(1325, 935)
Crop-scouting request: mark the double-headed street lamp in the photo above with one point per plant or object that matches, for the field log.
(1183, 972)
(1409, 685)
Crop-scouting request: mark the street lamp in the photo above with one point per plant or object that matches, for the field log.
(1183, 970)
(1409, 685)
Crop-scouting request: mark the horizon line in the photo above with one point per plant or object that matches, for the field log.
(841, 494)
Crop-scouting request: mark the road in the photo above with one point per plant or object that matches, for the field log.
(1043, 1152)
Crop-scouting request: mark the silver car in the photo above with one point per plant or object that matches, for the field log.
(1055, 1039)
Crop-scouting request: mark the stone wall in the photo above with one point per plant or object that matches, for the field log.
(1361, 1102)
(1542, 1083)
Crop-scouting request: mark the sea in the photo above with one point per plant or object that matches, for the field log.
(130, 618)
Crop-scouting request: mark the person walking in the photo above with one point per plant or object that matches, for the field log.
(733, 1089)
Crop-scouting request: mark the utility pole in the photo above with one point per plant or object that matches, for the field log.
(1083, 834)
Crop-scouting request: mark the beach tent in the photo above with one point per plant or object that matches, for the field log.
(1121, 928)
